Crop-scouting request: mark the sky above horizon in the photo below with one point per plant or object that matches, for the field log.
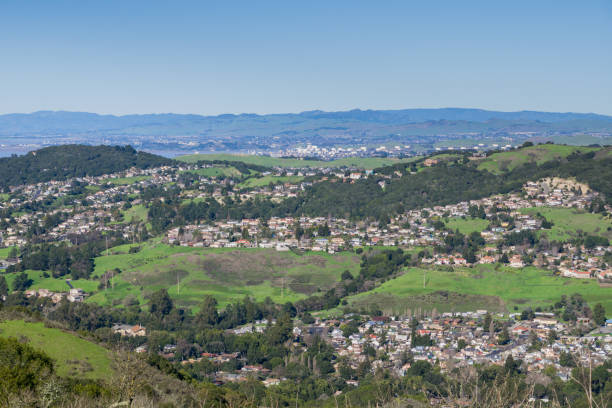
(202, 57)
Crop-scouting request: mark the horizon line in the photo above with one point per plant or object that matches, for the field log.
(300, 112)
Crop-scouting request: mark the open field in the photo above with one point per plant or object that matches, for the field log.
(467, 225)
(366, 163)
(483, 287)
(127, 180)
(568, 222)
(4, 252)
(217, 171)
(500, 162)
(227, 273)
(264, 181)
(73, 355)
(53, 284)
(136, 211)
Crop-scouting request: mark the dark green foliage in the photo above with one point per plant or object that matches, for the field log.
(21, 368)
(438, 185)
(566, 359)
(22, 282)
(524, 237)
(4, 289)
(63, 259)
(160, 215)
(593, 241)
(504, 337)
(346, 275)
(160, 303)
(382, 264)
(208, 316)
(62, 162)
(599, 314)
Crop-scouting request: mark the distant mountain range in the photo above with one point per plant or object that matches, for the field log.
(277, 131)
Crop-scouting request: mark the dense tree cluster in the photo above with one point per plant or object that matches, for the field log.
(63, 162)
(75, 259)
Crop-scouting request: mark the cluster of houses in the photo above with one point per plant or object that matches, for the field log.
(73, 295)
(102, 199)
(414, 228)
(458, 339)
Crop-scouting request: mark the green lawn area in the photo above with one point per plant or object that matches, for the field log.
(74, 356)
(264, 181)
(53, 284)
(568, 221)
(481, 287)
(4, 196)
(505, 161)
(365, 163)
(136, 211)
(217, 171)
(468, 225)
(226, 273)
(127, 180)
(4, 252)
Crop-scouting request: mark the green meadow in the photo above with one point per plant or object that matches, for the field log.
(138, 211)
(225, 273)
(267, 161)
(569, 222)
(500, 162)
(217, 171)
(467, 225)
(53, 284)
(73, 356)
(482, 287)
(4, 252)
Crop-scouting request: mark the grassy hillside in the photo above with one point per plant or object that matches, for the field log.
(218, 171)
(227, 274)
(264, 181)
(73, 355)
(4, 252)
(53, 284)
(136, 211)
(366, 163)
(467, 225)
(569, 222)
(500, 162)
(482, 287)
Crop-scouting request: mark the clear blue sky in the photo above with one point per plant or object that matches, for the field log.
(288, 56)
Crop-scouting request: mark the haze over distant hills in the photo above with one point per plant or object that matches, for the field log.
(250, 132)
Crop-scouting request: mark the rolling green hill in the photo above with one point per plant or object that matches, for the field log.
(501, 162)
(62, 162)
(569, 222)
(227, 273)
(481, 287)
(74, 356)
(53, 284)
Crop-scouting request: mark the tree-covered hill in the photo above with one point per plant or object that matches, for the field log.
(446, 183)
(62, 162)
